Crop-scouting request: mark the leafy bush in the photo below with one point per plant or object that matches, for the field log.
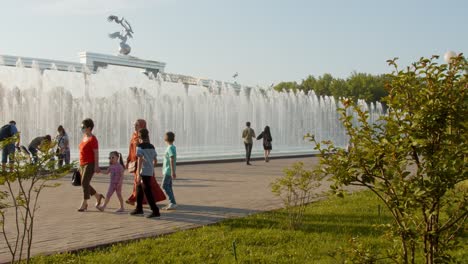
(414, 158)
(296, 189)
(20, 188)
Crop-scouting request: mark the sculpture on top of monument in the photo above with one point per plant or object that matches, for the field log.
(123, 36)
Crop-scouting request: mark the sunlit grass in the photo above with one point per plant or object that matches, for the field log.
(261, 238)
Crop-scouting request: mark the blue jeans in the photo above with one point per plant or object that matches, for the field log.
(167, 186)
(7, 153)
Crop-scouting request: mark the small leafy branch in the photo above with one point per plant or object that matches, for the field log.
(357, 252)
(413, 158)
(20, 188)
(296, 190)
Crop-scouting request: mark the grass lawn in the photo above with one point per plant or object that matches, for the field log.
(261, 238)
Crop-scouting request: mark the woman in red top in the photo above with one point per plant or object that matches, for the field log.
(89, 163)
(131, 166)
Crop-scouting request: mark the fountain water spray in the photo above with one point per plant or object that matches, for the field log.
(207, 122)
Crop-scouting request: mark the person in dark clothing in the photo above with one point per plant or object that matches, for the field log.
(146, 154)
(35, 144)
(63, 147)
(6, 132)
(267, 139)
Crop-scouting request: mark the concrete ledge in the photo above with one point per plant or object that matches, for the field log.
(233, 160)
(95, 60)
(40, 64)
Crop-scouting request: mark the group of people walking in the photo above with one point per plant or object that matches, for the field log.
(141, 161)
(248, 134)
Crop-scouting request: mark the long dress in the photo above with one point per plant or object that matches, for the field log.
(155, 188)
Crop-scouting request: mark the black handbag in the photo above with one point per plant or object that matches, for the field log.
(76, 178)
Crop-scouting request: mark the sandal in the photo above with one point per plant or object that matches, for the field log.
(99, 200)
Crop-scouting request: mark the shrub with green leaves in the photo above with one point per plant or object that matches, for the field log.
(414, 159)
(20, 187)
(296, 189)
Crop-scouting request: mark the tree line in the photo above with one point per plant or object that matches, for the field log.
(358, 86)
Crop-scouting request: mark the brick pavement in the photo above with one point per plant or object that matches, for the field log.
(206, 194)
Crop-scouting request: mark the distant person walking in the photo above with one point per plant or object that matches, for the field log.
(35, 145)
(132, 167)
(146, 162)
(267, 139)
(169, 170)
(89, 163)
(6, 132)
(248, 134)
(63, 146)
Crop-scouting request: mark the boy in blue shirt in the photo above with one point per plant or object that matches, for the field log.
(169, 170)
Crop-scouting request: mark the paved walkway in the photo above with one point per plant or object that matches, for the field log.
(206, 193)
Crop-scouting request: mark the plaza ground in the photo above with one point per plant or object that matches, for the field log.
(206, 194)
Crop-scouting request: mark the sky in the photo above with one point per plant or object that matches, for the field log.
(265, 41)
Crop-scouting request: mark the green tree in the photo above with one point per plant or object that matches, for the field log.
(360, 86)
(413, 159)
(357, 86)
(286, 87)
(308, 84)
(378, 91)
(19, 194)
(323, 85)
(339, 88)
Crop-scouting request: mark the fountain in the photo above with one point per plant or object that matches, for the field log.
(207, 121)
(207, 116)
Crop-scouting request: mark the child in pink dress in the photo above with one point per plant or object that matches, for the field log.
(116, 170)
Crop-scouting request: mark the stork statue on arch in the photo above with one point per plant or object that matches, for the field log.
(122, 35)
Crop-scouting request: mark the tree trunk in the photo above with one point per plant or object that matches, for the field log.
(405, 248)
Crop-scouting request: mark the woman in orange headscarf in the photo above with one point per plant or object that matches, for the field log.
(131, 166)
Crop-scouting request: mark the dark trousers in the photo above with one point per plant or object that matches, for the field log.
(87, 172)
(33, 152)
(248, 151)
(64, 157)
(145, 190)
